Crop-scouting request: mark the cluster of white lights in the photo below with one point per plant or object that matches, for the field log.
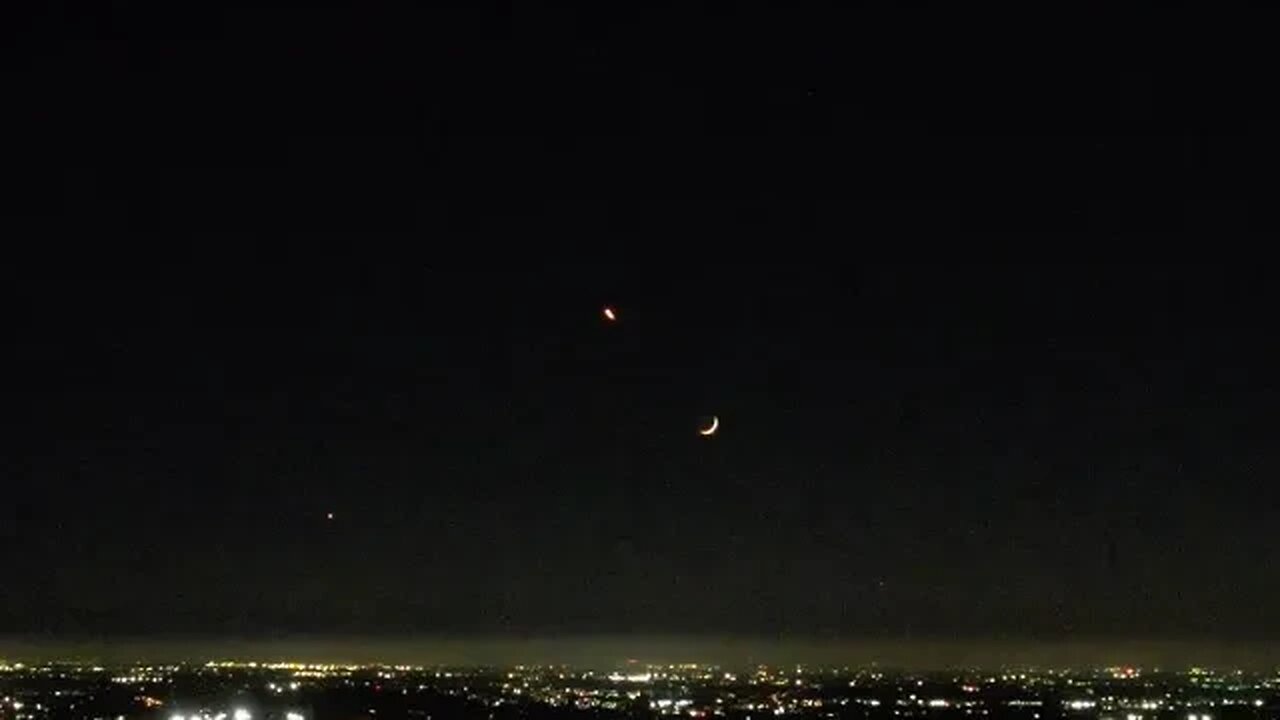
(634, 677)
(237, 714)
(1193, 716)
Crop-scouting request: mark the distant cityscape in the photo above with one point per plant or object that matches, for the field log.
(243, 690)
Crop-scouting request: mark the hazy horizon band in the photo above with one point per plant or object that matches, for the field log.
(608, 650)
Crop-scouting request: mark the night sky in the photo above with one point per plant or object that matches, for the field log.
(946, 450)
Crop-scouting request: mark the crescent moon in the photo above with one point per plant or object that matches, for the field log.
(715, 423)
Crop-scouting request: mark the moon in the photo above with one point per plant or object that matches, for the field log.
(711, 429)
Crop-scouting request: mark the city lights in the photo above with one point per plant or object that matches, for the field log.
(672, 691)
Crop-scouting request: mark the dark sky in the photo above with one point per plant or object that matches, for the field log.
(908, 450)
(946, 450)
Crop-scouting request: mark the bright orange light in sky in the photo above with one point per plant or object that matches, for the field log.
(609, 314)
